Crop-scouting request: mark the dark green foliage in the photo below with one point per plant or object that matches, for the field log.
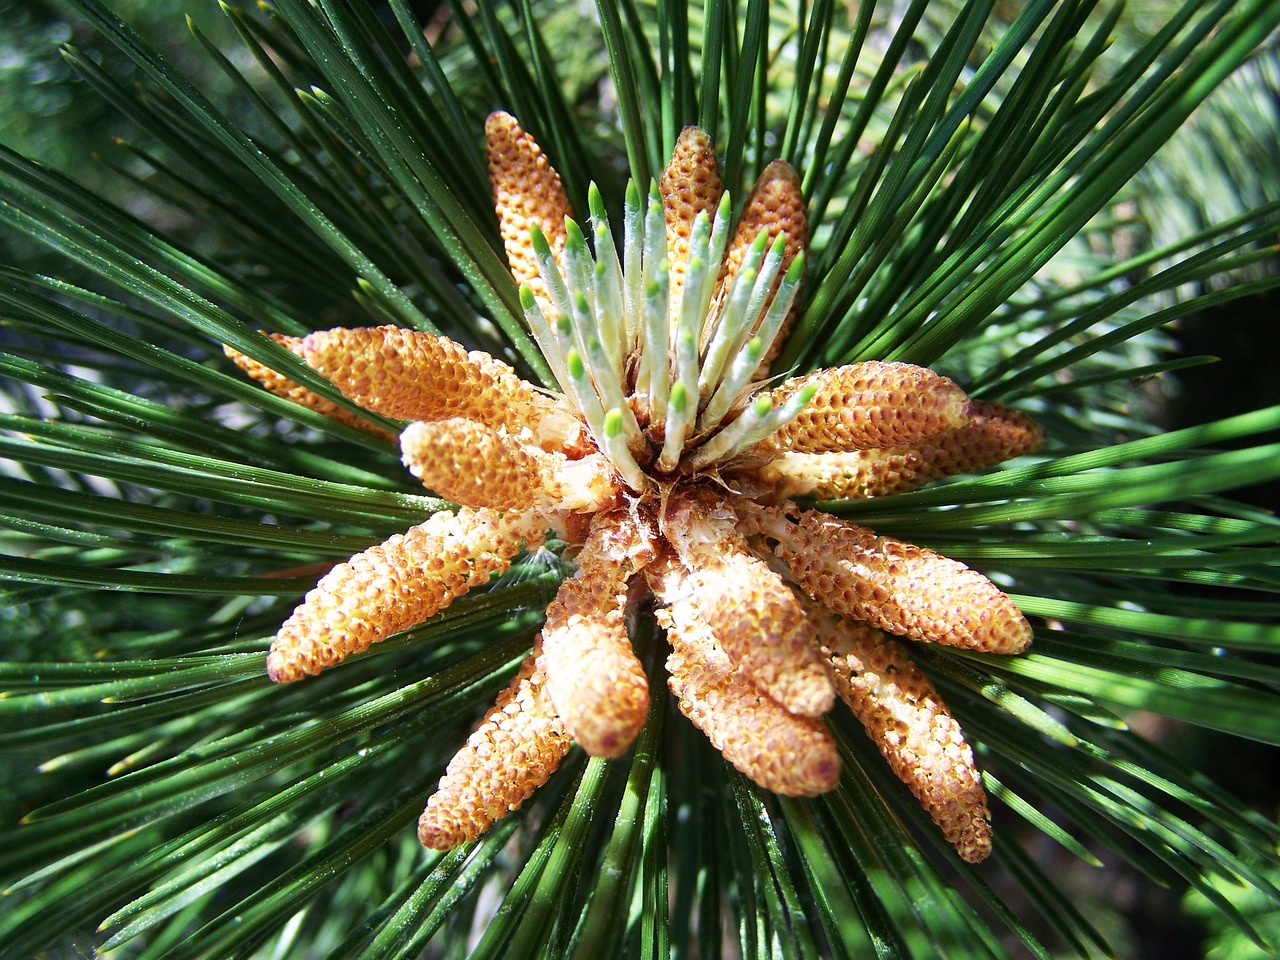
(986, 202)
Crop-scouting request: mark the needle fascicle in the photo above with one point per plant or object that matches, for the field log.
(753, 425)
(608, 284)
(733, 318)
(632, 267)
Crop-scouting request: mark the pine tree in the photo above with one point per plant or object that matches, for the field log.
(1025, 204)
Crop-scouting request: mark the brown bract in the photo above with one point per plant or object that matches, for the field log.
(666, 465)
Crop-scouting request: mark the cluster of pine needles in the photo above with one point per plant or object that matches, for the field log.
(1029, 204)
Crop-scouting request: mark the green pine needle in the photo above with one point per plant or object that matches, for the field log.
(1030, 204)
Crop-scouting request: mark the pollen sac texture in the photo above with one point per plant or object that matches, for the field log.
(391, 587)
(514, 751)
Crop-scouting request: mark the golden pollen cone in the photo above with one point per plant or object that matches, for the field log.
(664, 464)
